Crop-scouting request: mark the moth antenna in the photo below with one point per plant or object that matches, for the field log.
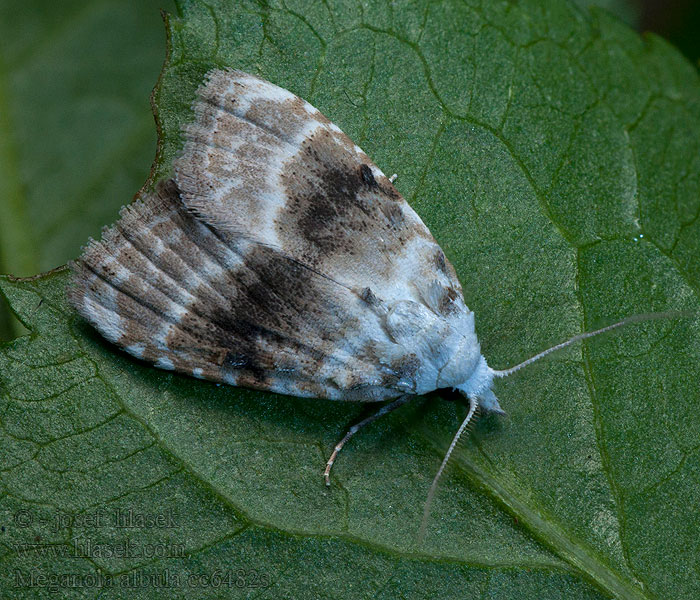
(473, 407)
(582, 336)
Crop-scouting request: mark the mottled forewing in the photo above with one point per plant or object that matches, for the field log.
(262, 161)
(174, 291)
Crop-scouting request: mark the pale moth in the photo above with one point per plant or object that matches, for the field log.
(281, 258)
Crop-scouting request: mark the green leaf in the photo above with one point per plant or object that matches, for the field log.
(554, 156)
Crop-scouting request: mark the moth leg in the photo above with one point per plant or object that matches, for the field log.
(393, 178)
(387, 408)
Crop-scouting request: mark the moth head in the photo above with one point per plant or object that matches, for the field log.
(478, 386)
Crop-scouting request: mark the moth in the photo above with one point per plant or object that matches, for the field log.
(280, 257)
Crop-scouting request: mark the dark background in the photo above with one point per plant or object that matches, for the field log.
(676, 20)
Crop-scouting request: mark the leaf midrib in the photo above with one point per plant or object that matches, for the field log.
(576, 553)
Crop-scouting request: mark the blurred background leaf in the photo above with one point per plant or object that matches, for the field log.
(676, 20)
(77, 136)
(628, 11)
